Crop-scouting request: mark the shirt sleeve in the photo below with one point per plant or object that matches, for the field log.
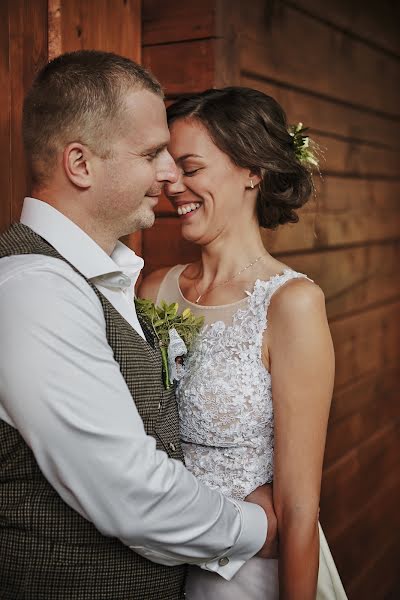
(62, 389)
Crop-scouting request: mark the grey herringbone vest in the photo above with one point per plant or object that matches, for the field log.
(47, 550)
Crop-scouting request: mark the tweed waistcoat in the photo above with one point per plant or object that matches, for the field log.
(47, 550)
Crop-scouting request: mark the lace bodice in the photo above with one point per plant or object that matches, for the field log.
(224, 396)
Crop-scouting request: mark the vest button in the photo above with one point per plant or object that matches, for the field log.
(223, 561)
(172, 446)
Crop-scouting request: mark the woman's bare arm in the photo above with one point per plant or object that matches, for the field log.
(301, 361)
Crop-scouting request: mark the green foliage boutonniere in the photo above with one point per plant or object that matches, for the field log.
(175, 332)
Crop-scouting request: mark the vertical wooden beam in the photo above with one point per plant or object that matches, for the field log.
(5, 126)
(27, 54)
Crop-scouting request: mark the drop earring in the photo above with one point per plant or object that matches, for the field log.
(251, 184)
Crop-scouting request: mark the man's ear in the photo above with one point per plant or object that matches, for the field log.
(77, 163)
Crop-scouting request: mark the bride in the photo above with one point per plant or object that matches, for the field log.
(255, 395)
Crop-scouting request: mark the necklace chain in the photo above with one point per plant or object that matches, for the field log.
(227, 280)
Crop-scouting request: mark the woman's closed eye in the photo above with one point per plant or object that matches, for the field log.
(190, 172)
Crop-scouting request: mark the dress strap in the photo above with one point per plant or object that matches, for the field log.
(262, 294)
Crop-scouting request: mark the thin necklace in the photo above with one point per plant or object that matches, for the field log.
(227, 280)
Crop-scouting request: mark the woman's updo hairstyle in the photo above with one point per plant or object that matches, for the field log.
(250, 127)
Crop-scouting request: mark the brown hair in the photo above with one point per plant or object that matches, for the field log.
(78, 96)
(250, 127)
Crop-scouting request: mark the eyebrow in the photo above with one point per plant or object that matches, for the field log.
(185, 156)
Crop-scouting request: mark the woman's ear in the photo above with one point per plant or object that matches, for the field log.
(77, 164)
(253, 180)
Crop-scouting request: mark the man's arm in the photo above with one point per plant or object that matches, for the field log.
(62, 389)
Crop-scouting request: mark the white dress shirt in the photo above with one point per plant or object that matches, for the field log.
(62, 389)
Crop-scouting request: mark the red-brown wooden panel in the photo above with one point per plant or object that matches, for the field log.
(378, 406)
(175, 21)
(291, 47)
(379, 578)
(113, 26)
(374, 22)
(366, 342)
(374, 525)
(326, 116)
(349, 483)
(5, 125)
(184, 67)
(28, 53)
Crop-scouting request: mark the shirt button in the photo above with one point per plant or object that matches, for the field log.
(223, 561)
(159, 406)
(172, 446)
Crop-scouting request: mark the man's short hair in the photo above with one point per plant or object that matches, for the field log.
(78, 97)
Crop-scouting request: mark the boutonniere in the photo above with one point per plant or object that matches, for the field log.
(175, 333)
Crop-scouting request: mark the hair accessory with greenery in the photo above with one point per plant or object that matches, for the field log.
(306, 150)
(175, 332)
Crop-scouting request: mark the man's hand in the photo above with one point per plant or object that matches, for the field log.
(263, 497)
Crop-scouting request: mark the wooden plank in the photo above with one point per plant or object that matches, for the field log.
(353, 398)
(5, 126)
(376, 22)
(103, 25)
(378, 408)
(291, 47)
(175, 20)
(348, 484)
(322, 115)
(377, 523)
(184, 67)
(352, 158)
(366, 342)
(28, 53)
(346, 211)
(353, 278)
(380, 576)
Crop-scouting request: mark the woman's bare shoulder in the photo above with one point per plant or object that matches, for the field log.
(150, 285)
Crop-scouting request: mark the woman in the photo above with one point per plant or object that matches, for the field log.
(265, 329)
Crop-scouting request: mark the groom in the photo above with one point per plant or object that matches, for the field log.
(95, 502)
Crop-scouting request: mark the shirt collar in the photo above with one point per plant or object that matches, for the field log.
(121, 269)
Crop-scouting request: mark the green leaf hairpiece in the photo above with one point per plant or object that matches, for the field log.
(306, 150)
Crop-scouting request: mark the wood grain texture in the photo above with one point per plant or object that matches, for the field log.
(376, 23)
(333, 66)
(330, 117)
(5, 123)
(177, 21)
(110, 25)
(182, 68)
(289, 46)
(28, 53)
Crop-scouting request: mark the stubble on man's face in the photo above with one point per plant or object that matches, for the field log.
(129, 188)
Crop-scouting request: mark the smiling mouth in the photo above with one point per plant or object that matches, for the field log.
(187, 208)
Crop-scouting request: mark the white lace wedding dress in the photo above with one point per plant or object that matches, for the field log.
(226, 419)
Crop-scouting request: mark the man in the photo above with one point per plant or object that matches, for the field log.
(95, 502)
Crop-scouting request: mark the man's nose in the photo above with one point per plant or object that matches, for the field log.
(174, 188)
(167, 170)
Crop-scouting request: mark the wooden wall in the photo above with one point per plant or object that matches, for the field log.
(333, 65)
(33, 32)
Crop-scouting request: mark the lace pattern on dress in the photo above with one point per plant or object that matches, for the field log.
(225, 402)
